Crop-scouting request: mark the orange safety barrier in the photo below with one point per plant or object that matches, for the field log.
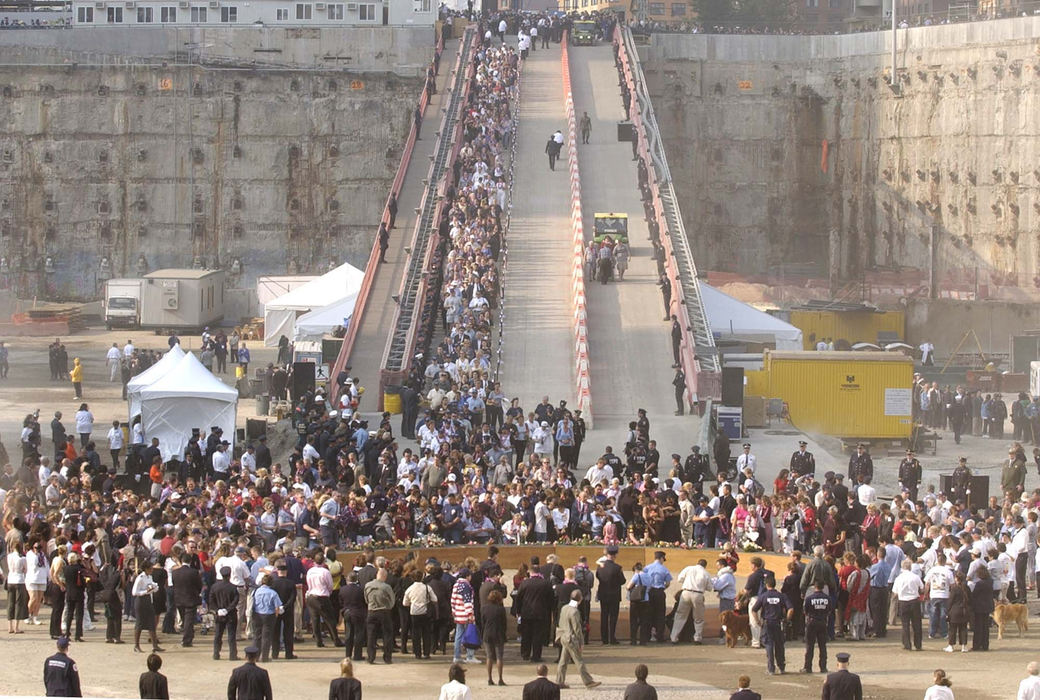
(581, 368)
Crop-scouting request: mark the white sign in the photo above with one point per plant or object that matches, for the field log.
(321, 373)
(898, 402)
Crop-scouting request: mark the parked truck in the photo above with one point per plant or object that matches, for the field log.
(122, 303)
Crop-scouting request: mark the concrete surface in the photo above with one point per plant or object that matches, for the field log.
(538, 349)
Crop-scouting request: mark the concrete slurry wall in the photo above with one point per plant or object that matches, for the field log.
(957, 152)
(264, 165)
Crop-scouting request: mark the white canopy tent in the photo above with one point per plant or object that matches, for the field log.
(333, 294)
(732, 319)
(153, 373)
(186, 397)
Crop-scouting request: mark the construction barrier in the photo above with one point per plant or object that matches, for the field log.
(581, 334)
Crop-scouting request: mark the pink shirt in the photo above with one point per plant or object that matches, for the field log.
(319, 582)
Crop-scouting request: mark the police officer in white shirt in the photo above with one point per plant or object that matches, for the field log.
(746, 460)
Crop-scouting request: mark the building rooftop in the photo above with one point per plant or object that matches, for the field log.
(183, 274)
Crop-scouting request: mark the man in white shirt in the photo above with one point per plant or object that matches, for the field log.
(541, 522)
(746, 459)
(221, 460)
(561, 516)
(114, 359)
(939, 579)
(239, 577)
(115, 442)
(694, 581)
(599, 472)
(908, 588)
(249, 460)
(128, 349)
(1029, 688)
(866, 494)
(43, 474)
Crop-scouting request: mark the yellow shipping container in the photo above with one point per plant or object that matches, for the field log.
(853, 326)
(844, 394)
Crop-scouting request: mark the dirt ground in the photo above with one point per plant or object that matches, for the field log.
(708, 671)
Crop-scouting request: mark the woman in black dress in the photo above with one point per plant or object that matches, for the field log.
(493, 632)
(982, 607)
(143, 590)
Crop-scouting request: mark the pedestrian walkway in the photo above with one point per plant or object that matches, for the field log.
(538, 356)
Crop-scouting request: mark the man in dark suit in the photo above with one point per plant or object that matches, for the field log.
(842, 684)
(611, 579)
(744, 691)
(249, 681)
(641, 690)
(285, 626)
(223, 596)
(541, 688)
(534, 600)
(187, 596)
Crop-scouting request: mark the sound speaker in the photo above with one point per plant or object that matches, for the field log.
(732, 386)
(302, 378)
(626, 132)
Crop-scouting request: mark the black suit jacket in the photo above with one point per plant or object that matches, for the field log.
(153, 685)
(541, 689)
(249, 682)
(223, 595)
(611, 579)
(345, 689)
(187, 586)
(286, 591)
(842, 685)
(745, 694)
(535, 599)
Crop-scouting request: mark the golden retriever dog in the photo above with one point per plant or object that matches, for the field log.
(1006, 613)
(736, 626)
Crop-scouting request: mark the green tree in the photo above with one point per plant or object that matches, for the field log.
(710, 12)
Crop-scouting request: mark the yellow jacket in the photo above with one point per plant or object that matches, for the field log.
(77, 371)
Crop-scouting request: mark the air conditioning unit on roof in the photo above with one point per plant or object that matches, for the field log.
(352, 6)
(184, 3)
(130, 4)
(99, 5)
(214, 3)
(319, 6)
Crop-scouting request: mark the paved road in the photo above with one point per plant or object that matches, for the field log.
(629, 343)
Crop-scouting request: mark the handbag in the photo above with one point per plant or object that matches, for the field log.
(637, 592)
(471, 637)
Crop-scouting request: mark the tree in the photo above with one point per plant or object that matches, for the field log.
(712, 12)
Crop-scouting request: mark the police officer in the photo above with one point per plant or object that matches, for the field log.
(679, 382)
(960, 482)
(774, 608)
(696, 469)
(860, 463)
(910, 475)
(842, 684)
(60, 675)
(249, 681)
(817, 609)
(802, 461)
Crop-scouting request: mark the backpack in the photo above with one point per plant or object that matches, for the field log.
(584, 578)
(757, 489)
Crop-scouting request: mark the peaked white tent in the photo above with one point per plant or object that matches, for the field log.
(160, 368)
(732, 319)
(333, 294)
(186, 397)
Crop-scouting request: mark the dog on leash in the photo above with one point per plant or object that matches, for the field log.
(735, 626)
(1006, 613)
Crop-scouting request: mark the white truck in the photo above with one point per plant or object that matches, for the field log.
(122, 303)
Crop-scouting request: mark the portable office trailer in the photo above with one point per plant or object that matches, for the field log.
(182, 299)
(845, 394)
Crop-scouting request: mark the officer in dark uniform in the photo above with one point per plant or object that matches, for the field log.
(679, 382)
(60, 675)
(817, 609)
(910, 474)
(774, 608)
(960, 483)
(696, 469)
(249, 681)
(284, 625)
(802, 461)
(223, 596)
(842, 684)
(643, 425)
(860, 464)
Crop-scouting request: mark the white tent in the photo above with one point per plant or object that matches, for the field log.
(186, 397)
(732, 319)
(314, 325)
(335, 291)
(153, 373)
(271, 287)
